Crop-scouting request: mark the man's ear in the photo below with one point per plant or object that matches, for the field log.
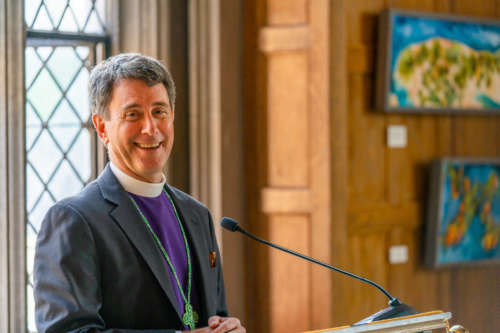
(100, 127)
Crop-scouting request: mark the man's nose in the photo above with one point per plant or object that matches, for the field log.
(148, 124)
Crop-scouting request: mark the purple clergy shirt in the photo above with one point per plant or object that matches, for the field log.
(161, 217)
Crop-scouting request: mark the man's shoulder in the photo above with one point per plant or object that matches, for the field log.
(88, 198)
(186, 199)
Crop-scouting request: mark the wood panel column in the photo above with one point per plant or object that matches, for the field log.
(12, 177)
(287, 129)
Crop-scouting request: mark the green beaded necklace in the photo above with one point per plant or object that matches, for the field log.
(190, 317)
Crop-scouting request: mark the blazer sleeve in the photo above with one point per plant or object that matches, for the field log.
(67, 276)
(221, 292)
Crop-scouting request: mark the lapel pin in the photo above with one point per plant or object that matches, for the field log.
(213, 259)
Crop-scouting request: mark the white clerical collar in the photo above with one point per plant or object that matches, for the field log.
(138, 187)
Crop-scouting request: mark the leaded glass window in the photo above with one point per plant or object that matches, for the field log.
(65, 38)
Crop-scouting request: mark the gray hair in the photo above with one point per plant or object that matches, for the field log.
(125, 66)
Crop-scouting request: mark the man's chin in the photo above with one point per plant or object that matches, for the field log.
(150, 175)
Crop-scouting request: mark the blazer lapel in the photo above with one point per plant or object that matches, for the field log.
(197, 242)
(127, 216)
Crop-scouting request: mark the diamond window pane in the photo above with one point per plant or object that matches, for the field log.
(81, 10)
(64, 125)
(32, 65)
(34, 188)
(44, 52)
(65, 182)
(80, 155)
(93, 24)
(68, 22)
(83, 52)
(42, 21)
(33, 126)
(39, 211)
(45, 156)
(64, 64)
(32, 118)
(44, 95)
(55, 9)
(30, 9)
(100, 6)
(75, 96)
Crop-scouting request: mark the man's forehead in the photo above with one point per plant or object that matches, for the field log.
(135, 90)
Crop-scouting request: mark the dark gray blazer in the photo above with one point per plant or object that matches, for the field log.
(98, 269)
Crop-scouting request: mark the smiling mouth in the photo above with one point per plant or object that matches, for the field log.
(148, 146)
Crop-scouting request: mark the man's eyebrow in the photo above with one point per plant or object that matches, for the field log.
(130, 106)
(135, 105)
(161, 104)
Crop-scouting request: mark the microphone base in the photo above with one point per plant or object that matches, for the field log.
(393, 311)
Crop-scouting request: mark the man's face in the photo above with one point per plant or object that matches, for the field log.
(138, 129)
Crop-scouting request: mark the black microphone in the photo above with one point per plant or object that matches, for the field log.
(395, 309)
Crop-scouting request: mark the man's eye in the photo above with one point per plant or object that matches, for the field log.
(131, 115)
(161, 113)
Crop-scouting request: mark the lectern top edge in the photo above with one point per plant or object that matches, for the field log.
(409, 324)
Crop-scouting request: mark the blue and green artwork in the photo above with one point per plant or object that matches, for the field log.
(444, 64)
(469, 226)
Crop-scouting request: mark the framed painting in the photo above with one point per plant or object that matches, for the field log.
(437, 63)
(463, 224)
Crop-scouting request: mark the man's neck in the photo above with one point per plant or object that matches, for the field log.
(136, 186)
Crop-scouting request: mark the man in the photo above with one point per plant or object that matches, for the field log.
(130, 253)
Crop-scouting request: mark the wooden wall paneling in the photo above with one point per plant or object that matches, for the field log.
(475, 136)
(280, 12)
(254, 128)
(422, 5)
(362, 22)
(366, 134)
(288, 123)
(288, 140)
(443, 6)
(281, 38)
(424, 282)
(290, 127)
(422, 145)
(353, 310)
(320, 161)
(366, 143)
(289, 291)
(368, 255)
(399, 285)
(398, 165)
(475, 299)
(380, 217)
(340, 164)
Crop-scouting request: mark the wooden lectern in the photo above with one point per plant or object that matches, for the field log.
(422, 322)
